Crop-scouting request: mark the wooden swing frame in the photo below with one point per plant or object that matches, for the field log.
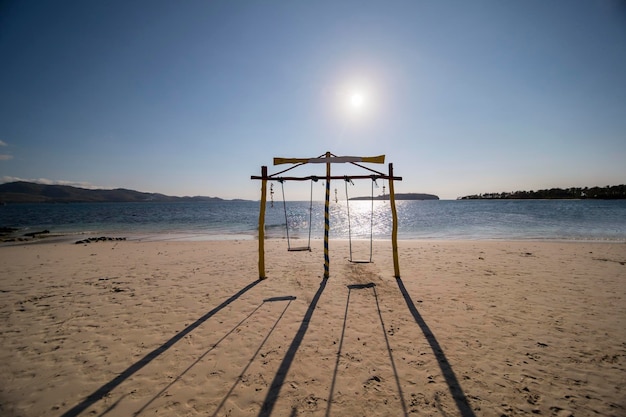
(328, 159)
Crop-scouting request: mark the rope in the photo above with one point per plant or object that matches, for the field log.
(282, 187)
(347, 179)
(372, 219)
(311, 212)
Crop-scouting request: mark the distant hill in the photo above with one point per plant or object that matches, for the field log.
(28, 192)
(401, 196)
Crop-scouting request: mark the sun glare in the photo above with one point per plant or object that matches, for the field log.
(357, 100)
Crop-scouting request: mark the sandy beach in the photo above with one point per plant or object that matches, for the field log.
(472, 328)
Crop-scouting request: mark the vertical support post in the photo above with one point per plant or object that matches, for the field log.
(262, 223)
(327, 218)
(394, 228)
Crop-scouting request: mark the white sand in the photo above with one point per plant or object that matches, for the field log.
(186, 329)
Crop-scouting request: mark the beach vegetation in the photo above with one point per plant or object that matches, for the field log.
(614, 192)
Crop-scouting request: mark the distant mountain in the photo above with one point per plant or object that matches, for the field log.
(400, 196)
(28, 192)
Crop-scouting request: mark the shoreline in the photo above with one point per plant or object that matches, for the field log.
(186, 328)
(76, 237)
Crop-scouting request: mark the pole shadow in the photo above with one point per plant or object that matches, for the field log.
(389, 351)
(101, 392)
(446, 369)
(281, 373)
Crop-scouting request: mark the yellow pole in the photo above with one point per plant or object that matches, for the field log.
(327, 218)
(262, 223)
(394, 228)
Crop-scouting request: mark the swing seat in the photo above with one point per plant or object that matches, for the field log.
(357, 261)
(299, 249)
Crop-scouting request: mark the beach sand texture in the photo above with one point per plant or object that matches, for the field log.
(163, 328)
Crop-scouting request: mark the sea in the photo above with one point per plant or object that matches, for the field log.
(569, 220)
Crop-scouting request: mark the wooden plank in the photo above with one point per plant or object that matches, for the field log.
(334, 177)
(279, 161)
(379, 159)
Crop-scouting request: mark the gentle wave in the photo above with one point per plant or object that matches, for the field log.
(573, 220)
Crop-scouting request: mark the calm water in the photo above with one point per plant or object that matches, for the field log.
(482, 219)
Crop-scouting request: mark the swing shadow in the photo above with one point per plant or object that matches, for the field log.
(279, 379)
(213, 347)
(105, 389)
(242, 373)
(446, 369)
(389, 350)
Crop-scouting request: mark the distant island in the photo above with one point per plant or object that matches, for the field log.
(28, 192)
(401, 196)
(615, 192)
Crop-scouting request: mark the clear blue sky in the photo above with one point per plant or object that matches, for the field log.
(192, 97)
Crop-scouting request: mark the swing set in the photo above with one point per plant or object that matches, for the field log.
(328, 159)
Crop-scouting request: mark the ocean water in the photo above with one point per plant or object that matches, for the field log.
(596, 220)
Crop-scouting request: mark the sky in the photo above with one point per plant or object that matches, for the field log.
(193, 97)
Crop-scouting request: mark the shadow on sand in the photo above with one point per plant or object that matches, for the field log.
(239, 378)
(340, 350)
(128, 372)
(281, 374)
(213, 347)
(453, 383)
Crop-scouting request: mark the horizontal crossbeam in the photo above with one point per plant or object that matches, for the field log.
(334, 177)
(380, 159)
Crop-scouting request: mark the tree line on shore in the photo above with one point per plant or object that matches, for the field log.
(614, 192)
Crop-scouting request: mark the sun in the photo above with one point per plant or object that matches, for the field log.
(357, 100)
